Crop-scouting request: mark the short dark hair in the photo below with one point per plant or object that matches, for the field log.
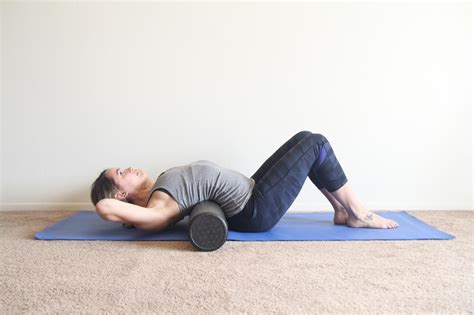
(103, 187)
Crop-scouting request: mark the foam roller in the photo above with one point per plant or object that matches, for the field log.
(207, 226)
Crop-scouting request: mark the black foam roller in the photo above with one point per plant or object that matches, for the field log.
(207, 226)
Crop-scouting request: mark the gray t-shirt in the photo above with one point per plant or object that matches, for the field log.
(203, 180)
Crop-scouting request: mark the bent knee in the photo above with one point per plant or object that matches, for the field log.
(319, 138)
(303, 133)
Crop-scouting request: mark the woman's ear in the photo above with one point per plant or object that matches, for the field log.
(121, 195)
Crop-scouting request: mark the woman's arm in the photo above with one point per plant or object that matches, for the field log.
(142, 218)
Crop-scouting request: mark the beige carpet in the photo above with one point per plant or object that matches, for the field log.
(62, 277)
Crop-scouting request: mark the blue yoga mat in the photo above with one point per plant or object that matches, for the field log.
(316, 226)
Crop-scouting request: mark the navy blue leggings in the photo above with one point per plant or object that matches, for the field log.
(280, 179)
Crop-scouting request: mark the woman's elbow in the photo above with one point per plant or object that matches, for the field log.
(102, 208)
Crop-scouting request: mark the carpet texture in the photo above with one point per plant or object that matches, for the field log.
(44, 277)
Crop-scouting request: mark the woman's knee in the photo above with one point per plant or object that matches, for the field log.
(317, 138)
(303, 133)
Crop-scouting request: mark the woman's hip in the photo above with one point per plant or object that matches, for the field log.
(260, 213)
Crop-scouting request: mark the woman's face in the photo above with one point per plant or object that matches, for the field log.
(128, 180)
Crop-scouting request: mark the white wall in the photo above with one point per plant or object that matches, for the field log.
(90, 86)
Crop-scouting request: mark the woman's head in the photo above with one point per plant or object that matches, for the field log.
(126, 184)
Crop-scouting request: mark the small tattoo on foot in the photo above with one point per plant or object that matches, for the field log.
(369, 217)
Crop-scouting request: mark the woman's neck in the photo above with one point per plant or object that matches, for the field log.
(141, 197)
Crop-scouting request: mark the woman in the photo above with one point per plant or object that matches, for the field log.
(250, 204)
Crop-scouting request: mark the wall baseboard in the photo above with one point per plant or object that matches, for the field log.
(296, 207)
(20, 206)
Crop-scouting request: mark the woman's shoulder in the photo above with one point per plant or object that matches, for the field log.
(162, 199)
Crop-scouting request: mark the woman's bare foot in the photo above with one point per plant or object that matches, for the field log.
(340, 216)
(367, 219)
(358, 215)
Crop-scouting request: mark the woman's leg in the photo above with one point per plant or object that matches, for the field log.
(354, 214)
(281, 178)
(358, 215)
(275, 157)
(277, 187)
(340, 213)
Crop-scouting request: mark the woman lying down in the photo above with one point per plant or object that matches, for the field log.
(252, 204)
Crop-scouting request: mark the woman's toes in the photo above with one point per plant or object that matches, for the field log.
(393, 224)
